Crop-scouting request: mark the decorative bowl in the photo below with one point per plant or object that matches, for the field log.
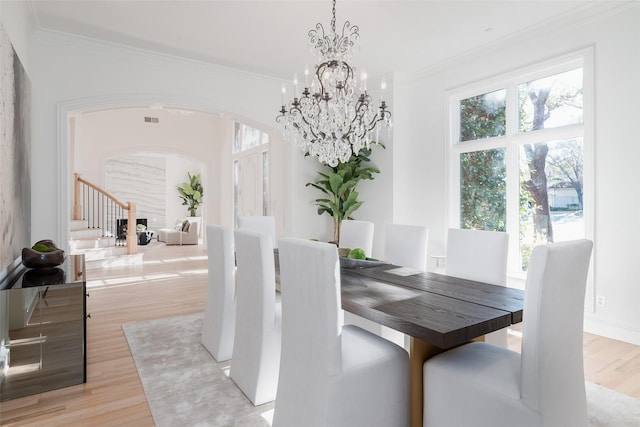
(359, 263)
(53, 257)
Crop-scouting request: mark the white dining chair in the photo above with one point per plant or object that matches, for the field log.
(261, 224)
(481, 385)
(218, 329)
(356, 234)
(330, 374)
(406, 245)
(481, 256)
(256, 351)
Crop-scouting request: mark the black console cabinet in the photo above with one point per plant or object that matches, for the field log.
(43, 329)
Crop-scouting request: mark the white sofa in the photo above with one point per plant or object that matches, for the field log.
(184, 233)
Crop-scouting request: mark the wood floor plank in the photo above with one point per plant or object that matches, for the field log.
(172, 282)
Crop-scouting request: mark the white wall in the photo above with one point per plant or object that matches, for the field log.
(76, 75)
(420, 148)
(189, 143)
(17, 22)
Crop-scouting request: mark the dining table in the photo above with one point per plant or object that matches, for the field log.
(438, 312)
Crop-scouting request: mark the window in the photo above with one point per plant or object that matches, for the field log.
(250, 171)
(518, 157)
(265, 183)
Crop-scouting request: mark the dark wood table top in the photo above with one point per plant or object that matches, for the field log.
(442, 310)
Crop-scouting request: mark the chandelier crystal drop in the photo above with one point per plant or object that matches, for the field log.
(333, 118)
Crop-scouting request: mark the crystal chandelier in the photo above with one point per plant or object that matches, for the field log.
(333, 118)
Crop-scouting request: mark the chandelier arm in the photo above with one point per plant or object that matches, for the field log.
(319, 76)
(303, 118)
(349, 72)
(347, 40)
(374, 122)
(356, 118)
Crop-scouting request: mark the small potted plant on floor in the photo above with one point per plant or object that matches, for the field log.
(339, 184)
(191, 193)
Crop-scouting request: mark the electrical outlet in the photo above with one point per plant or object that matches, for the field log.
(600, 300)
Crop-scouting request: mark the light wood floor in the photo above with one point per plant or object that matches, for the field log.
(172, 282)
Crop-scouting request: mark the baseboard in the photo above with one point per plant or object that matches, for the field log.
(612, 330)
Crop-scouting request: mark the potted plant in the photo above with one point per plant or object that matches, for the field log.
(340, 183)
(191, 193)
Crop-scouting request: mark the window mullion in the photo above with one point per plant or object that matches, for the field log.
(513, 174)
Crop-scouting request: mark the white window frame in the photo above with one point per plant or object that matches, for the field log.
(513, 140)
(263, 148)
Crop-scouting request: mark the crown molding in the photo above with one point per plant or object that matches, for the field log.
(584, 13)
(33, 16)
(118, 50)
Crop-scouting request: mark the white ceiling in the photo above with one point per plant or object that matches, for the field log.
(270, 37)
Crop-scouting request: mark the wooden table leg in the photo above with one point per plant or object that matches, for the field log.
(418, 353)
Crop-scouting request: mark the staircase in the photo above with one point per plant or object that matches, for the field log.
(96, 217)
(99, 251)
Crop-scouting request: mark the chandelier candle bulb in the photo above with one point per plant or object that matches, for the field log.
(383, 87)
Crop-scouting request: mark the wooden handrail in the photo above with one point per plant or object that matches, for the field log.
(109, 196)
(130, 207)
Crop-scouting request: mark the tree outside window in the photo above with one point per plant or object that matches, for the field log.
(548, 138)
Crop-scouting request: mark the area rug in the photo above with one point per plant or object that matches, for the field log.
(185, 386)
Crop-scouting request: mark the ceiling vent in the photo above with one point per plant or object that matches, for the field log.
(151, 120)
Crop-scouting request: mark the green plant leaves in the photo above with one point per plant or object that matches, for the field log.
(191, 193)
(340, 184)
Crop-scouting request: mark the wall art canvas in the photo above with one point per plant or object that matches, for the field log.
(15, 154)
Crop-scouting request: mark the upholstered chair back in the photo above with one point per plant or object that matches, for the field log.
(261, 224)
(256, 350)
(357, 234)
(220, 312)
(477, 255)
(406, 245)
(552, 359)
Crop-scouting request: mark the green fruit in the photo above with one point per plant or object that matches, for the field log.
(344, 252)
(357, 253)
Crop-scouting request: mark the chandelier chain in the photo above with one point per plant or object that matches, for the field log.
(333, 19)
